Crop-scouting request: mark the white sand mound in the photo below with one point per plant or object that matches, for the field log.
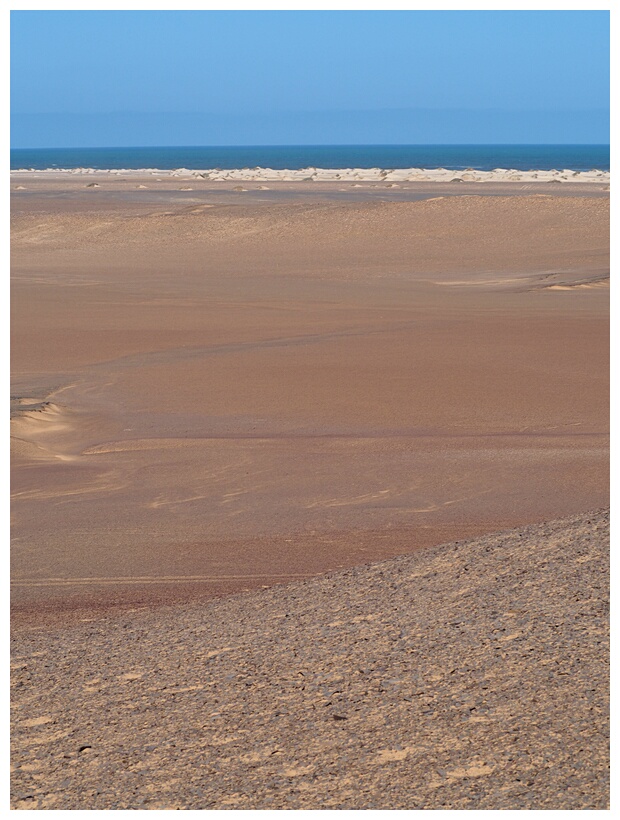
(338, 174)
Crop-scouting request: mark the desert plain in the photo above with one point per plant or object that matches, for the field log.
(218, 389)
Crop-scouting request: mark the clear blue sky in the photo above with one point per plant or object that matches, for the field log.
(111, 78)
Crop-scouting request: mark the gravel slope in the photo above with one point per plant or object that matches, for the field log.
(467, 676)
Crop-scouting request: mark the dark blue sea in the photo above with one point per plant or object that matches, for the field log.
(454, 157)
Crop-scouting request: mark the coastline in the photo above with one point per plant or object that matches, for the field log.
(312, 174)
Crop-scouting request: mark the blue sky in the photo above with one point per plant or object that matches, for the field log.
(112, 78)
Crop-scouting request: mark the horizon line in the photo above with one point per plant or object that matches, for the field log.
(307, 145)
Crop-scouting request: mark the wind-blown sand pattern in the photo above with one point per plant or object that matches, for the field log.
(467, 676)
(218, 388)
(222, 396)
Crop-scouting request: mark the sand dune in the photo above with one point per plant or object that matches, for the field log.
(467, 676)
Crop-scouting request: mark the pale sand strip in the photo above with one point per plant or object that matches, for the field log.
(154, 579)
(312, 174)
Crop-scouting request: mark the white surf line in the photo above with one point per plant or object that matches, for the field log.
(151, 579)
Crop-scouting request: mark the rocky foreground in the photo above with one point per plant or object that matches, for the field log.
(471, 675)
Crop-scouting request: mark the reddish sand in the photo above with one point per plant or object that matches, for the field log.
(215, 393)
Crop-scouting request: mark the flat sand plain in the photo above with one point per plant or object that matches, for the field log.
(215, 390)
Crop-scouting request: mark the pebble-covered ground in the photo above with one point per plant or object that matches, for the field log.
(466, 676)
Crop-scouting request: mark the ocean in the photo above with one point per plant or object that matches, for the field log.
(294, 157)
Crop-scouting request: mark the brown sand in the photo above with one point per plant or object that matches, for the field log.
(219, 390)
(467, 676)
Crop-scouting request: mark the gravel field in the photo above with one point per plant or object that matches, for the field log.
(472, 675)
